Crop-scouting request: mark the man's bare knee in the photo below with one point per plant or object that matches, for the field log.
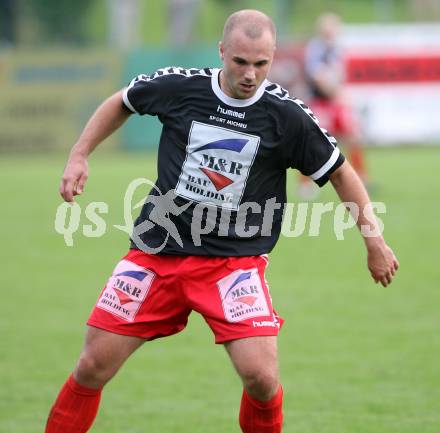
(261, 385)
(102, 356)
(256, 361)
(93, 372)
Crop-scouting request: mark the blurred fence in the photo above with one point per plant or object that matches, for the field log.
(46, 97)
(124, 23)
(60, 59)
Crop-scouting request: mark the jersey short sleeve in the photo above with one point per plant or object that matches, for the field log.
(152, 94)
(313, 150)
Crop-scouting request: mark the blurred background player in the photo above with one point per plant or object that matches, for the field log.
(324, 69)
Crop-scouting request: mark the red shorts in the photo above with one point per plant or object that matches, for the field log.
(151, 296)
(336, 117)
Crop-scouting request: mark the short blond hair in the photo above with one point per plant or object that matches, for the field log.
(251, 21)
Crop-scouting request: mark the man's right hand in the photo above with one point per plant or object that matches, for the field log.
(108, 117)
(74, 177)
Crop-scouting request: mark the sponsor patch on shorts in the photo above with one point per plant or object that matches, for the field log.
(242, 295)
(126, 290)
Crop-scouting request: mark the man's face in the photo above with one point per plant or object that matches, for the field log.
(246, 63)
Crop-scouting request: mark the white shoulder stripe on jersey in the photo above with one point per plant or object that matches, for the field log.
(327, 166)
(283, 94)
(171, 70)
(126, 101)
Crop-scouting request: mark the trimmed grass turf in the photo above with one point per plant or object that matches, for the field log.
(355, 357)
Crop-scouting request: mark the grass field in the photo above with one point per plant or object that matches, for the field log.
(355, 357)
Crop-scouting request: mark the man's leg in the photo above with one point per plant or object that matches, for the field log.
(256, 361)
(77, 404)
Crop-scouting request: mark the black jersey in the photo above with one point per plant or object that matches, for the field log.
(222, 163)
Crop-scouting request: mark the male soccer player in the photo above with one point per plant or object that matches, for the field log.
(324, 67)
(228, 138)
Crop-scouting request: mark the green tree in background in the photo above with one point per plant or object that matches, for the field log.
(7, 22)
(61, 21)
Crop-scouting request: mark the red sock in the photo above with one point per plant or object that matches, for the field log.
(74, 410)
(261, 416)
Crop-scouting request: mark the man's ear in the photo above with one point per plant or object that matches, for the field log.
(221, 50)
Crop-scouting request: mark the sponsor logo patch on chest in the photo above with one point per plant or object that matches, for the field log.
(217, 165)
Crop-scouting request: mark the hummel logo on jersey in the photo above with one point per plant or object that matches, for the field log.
(232, 113)
(217, 165)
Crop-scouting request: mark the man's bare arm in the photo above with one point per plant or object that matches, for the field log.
(108, 117)
(382, 262)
